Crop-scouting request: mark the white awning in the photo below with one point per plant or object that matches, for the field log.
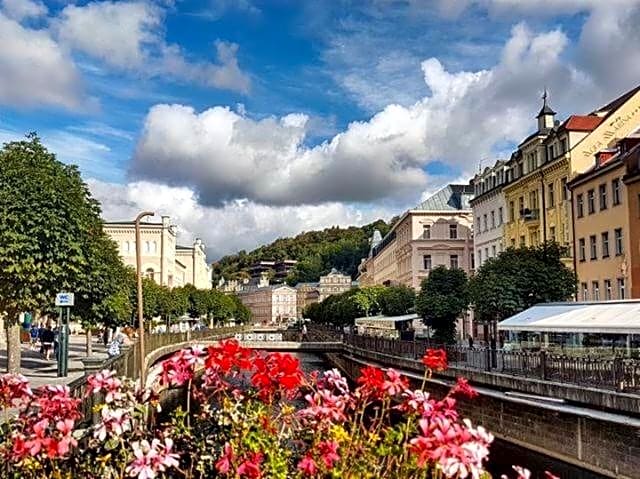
(605, 317)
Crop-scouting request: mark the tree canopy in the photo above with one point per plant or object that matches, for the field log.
(518, 279)
(317, 252)
(442, 299)
(397, 300)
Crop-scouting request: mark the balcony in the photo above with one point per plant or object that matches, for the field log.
(528, 214)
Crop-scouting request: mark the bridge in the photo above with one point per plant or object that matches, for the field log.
(582, 411)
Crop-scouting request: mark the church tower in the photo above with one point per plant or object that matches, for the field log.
(546, 117)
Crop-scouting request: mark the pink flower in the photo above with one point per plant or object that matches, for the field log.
(250, 467)
(151, 459)
(328, 453)
(308, 466)
(106, 382)
(223, 465)
(522, 473)
(464, 389)
(333, 379)
(395, 383)
(14, 391)
(114, 423)
(416, 401)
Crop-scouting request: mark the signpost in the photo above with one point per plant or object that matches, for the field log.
(64, 301)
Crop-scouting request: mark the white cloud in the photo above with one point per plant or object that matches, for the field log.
(35, 70)
(129, 36)
(116, 33)
(21, 9)
(229, 228)
(225, 155)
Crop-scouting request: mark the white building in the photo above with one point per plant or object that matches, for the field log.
(489, 212)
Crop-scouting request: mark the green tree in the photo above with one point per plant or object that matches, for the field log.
(519, 278)
(220, 307)
(442, 299)
(241, 313)
(368, 299)
(397, 300)
(46, 214)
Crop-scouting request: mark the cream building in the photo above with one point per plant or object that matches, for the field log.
(439, 231)
(489, 212)
(333, 283)
(307, 293)
(274, 304)
(163, 260)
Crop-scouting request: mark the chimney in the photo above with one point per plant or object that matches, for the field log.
(165, 221)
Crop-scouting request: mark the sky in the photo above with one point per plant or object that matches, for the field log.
(248, 120)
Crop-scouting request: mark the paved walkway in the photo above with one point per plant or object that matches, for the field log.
(39, 371)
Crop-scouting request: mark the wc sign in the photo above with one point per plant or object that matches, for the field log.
(64, 299)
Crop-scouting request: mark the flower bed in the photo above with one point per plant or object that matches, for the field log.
(248, 415)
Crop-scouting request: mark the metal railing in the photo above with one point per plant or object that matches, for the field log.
(618, 373)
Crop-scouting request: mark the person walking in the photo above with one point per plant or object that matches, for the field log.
(304, 332)
(34, 333)
(47, 337)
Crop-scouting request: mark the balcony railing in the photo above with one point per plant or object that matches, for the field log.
(530, 214)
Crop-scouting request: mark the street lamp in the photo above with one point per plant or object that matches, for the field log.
(139, 287)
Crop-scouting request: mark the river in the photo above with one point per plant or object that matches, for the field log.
(503, 454)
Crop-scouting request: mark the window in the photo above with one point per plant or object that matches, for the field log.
(615, 188)
(581, 249)
(595, 291)
(580, 205)
(512, 215)
(426, 262)
(591, 201)
(426, 231)
(484, 220)
(147, 247)
(453, 261)
(621, 292)
(479, 256)
(618, 239)
(603, 196)
(552, 233)
(473, 263)
(513, 242)
(593, 247)
(565, 190)
(493, 251)
(605, 244)
(149, 273)
(533, 200)
(552, 199)
(486, 253)
(479, 227)
(493, 219)
(453, 231)
(585, 292)
(500, 219)
(522, 241)
(607, 289)
(521, 204)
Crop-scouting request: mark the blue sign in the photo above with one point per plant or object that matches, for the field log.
(64, 299)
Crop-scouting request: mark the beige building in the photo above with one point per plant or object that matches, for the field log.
(603, 214)
(439, 231)
(334, 283)
(163, 260)
(307, 293)
(274, 304)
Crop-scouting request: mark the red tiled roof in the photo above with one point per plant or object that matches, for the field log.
(582, 123)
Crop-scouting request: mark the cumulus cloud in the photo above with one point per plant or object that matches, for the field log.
(21, 9)
(128, 36)
(35, 70)
(226, 229)
(224, 155)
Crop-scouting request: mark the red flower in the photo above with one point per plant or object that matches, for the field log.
(371, 382)
(328, 452)
(308, 466)
(223, 465)
(227, 356)
(251, 466)
(464, 389)
(435, 359)
(276, 372)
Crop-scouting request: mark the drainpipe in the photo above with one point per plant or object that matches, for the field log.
(543, 211)
(573, 242)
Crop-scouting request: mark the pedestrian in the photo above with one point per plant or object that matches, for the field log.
(470, 338)
(47, 338)
(304, 332)
(34, 332)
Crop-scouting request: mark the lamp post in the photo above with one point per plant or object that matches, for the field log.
(139, 287)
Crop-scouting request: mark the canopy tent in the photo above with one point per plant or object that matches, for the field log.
(605, 317)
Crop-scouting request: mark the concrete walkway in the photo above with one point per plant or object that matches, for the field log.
(40, 372)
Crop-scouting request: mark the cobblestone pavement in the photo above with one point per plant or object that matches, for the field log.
(40, 372)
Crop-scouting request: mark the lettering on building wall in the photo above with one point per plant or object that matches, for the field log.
(613, 127)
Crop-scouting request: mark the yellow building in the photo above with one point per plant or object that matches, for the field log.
(537, 199)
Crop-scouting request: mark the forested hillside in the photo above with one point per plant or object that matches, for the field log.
(316, 252)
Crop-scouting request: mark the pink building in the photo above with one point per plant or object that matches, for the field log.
(438, 231)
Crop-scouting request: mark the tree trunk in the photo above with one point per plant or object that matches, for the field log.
(89, 344)
(13, 345)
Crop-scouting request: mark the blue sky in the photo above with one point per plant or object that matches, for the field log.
(263, 118)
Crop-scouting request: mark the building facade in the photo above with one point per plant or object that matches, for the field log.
(163, 260)
(333, 283)
(275, 304)
(307, 293)
(631, 182)
(537, 198)
(489, 209)
(439, 231)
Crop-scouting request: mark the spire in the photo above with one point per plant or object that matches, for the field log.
(546, 109)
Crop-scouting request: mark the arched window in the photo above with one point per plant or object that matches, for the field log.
(149, 273)
(154, 246)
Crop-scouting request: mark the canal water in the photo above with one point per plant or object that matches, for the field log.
(503, 454)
